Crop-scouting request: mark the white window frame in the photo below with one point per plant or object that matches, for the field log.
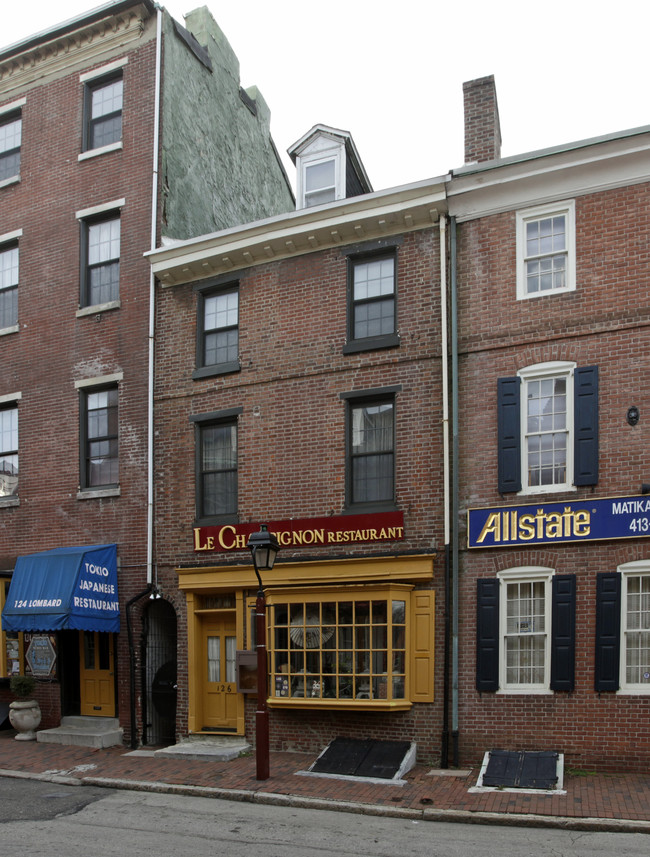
(640, 568)
(17, 107)
(524, 574)
(5, 240)
(315, 160)
(89, 78)
(543, 371)
(9, 401)
(526, 216)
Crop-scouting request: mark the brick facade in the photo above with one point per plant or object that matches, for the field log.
(602, 323)
(290, 394)
(59, 345)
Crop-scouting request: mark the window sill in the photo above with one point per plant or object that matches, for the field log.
(341, 704)
(524, 691)
(369, 508)
(545, 294)
(212, 371)
(11, 180)
(641, 690)
(550, 489)
(5, 331)
(9, 501)
(102, 150)
(373, 343)
(97, 308)
(97, 493)
(217, 520)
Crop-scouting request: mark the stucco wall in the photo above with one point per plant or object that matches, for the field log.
(219, 164)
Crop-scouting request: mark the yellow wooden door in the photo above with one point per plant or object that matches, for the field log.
(97, 674)
(220, 697)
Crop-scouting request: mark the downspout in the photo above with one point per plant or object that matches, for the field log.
(444, 347)
(454, 490)
(152, 300)
(152, 315)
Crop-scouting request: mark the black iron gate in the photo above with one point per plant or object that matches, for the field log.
(159, 673)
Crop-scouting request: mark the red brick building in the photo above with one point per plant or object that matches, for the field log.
(299, 385)
(550, 260)
(106, 148)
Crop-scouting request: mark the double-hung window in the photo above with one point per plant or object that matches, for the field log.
(635, 627)
(100, 437)
(623, 629)
(218, 330)
(100, 254)
(525, 631)
(525, 624)
(321, 180)
(372, 300)
(9, 280)
(216, 465)
(11, 125)
(546, 250)
(370, 471)
(103, 112)
(548, 428)
(8, 449)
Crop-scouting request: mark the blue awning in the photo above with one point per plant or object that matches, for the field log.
(65, 588)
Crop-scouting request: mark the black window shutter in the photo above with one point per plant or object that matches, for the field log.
(608, 631)
(586, 425)
(563, 632)
(509, 458)
(487, 635)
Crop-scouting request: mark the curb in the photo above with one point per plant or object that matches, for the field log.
(599, 825)
(453, 816)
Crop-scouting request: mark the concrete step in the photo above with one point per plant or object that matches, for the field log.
(218, 749)
(84, 732)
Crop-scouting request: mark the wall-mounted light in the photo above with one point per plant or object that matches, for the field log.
(633, 415)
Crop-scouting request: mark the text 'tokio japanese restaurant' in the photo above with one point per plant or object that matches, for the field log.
(59, 620)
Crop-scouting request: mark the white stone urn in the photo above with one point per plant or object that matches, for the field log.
(25, 717)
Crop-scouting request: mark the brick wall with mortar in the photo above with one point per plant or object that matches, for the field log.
(603, 322)
(291, 456)
(54, 348)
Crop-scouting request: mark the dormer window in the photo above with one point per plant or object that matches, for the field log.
(329, 167)
(321, 182)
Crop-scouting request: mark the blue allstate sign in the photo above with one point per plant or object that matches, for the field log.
(551, 523)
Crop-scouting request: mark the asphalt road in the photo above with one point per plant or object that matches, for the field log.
(51, 820)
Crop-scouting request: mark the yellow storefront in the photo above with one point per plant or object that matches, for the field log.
(346, 634)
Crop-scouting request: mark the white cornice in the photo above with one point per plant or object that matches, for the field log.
(80, 45)
(549, 176)
(361, 218)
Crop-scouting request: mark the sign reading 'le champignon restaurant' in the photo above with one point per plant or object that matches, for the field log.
(306, 532)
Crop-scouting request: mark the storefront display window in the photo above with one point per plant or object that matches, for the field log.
(339, 648)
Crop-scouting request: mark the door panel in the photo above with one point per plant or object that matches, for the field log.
(221, 702)
(97, 674)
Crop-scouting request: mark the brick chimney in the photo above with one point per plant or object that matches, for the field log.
(482, 129)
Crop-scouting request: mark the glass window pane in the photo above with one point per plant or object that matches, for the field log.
(214, 658)
(319, 176)
(329, 659)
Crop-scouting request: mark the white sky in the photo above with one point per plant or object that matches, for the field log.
(391, 72)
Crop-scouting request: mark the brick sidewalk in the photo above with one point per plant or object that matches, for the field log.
(596, 801)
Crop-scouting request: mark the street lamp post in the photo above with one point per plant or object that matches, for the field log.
(263, 547)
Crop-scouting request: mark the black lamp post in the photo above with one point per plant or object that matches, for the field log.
(263, 547)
